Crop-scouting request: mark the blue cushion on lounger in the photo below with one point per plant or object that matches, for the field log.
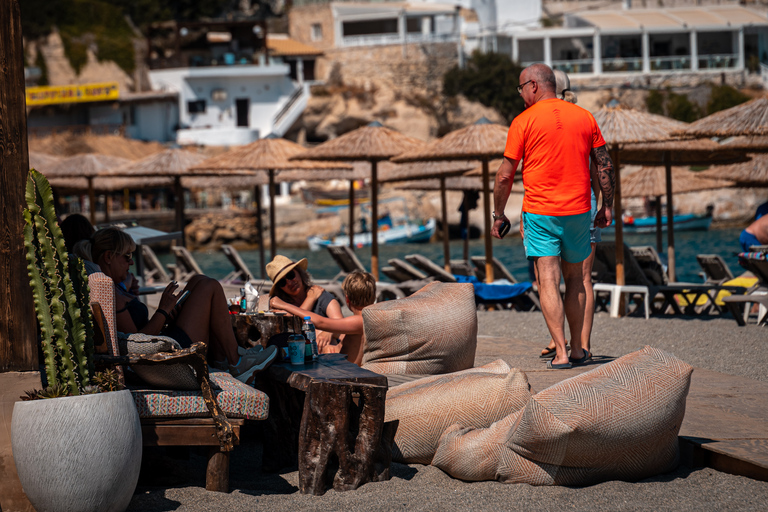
(499, 290)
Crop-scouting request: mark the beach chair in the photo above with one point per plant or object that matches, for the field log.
(502, 272)
(404, 271)
(346, 259)
(208, 413)
(185, 266)
(461, 268)
(650, 264)
(757, 263)
(715, 268)
(241, 272)
(153, 270)
(430, 268)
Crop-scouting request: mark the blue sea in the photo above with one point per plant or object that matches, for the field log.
(724, 242)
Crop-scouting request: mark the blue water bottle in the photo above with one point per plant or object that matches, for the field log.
(308, 330)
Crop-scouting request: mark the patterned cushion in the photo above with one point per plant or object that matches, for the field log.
(473, 398)
(431, 332)
(163, 376)
(235, 398)
(619, 421)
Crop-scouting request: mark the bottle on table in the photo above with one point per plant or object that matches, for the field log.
(308, 330)
(243, 302)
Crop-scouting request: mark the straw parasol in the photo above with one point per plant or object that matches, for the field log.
(651, 181)
(42, 161)
(750, 118)
(620, 126)
(87, 166)
(417, 170)
(753, 173)
(481, 141)
(267, 155)
(70, 144)
(669, 153)
(110, 184)
(371, 143)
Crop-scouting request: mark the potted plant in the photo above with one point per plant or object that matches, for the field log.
(75, 447)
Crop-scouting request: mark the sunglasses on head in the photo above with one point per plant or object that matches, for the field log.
(290, 275)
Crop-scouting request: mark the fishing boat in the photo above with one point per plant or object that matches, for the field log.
(686, 222)
(392, 230)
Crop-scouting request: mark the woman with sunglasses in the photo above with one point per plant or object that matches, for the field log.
(204, 317)
(293, 284)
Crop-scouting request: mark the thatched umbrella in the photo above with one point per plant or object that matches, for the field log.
(753, 173)
(86, 166)
(418, 170)
(267, 155)
(42, 161)
(620, 126)
(669, 153)
(750, 118)
(372, 143)
(482, 141)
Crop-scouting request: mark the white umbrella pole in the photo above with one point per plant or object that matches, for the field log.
(487, 219)
(374, 221)
(446, 244)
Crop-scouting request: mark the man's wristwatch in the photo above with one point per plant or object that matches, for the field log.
(497, 217)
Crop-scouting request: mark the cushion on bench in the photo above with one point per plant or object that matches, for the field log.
(474, 398)
(238, 400)
(617, 422)
(433, 331)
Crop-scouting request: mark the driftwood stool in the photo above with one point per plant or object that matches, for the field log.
(328, 416)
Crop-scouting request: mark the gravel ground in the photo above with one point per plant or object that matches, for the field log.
(717, 344)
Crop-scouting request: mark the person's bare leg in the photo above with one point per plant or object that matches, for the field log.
(205, 316)
(575, 302)
(548, 273)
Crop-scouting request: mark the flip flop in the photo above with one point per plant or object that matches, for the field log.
(550, 353)
(561, 366)
(582, 360)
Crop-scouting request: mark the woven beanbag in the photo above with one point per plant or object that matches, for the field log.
(433, 331)
(617, 422)
(474, 398)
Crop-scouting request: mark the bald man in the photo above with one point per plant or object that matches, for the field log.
(555, 139)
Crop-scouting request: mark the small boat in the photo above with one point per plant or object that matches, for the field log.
(686, 222)
(321, 197)
(407, 233)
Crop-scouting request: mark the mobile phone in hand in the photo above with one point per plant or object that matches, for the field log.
(504, 228)
(180, 303)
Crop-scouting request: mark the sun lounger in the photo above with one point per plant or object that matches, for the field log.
(651, 264)
(715, 268)
(502, 272)
(461, 268)
(406, 270)
(152, 268)
(241, 273)
(348, 262)
(431, 269)
(346, 259)
(757, 263)
(185, 266)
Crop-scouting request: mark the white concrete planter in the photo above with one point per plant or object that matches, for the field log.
(80, 453)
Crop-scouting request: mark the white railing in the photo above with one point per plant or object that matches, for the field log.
(386, 39)
(622, 64)
(670, 63)
(296, 104)
(574, 66)
(726, 60)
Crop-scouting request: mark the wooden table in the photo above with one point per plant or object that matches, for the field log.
(330, 415)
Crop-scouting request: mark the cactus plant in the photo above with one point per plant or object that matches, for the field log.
(60, 290)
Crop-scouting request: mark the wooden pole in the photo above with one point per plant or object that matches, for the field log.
(620, 279)
(18, 338)
(179, 191)
(446, 242)
(487, 218)
(465, 228)
(91, 200)
(351, 228)
(260, 231)
(659, 227)
(670, 225)
(272, 236)
(107, 206)
(374, 221)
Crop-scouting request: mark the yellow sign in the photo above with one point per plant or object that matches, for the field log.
(50, 95)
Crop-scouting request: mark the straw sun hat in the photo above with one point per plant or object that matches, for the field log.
(279, 267)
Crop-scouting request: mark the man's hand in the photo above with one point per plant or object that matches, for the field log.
(604, 217)
(496, 228)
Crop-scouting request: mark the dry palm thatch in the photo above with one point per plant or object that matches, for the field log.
(622, 125)
(109, 184)
(757, 144)
(373, 142)
(451, 183)
(680, 152)
(224, 182)
(480, 141)
(70, 144)
(651, 181)
(493, 166)
(170, 162)
(753, 173)
(87, 165)
(42, 161)
(420, 170)
(750, 118)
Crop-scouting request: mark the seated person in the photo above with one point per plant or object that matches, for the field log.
(204, 315)
(755, 234)
(293, 284)
(75, 228)
(359, 292)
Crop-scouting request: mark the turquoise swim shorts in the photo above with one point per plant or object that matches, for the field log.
(565, 236)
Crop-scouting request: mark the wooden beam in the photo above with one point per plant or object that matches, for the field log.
(18, 341)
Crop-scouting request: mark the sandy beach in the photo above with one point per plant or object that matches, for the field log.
(713, 344)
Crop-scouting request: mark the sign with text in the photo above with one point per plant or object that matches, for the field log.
(56, 94)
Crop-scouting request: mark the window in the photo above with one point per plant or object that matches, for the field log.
(196, 106)
(317, 32)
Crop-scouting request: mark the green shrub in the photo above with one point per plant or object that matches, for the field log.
(724, 96)
(76, 52)
(655, 102)
(41, 65)
(681, 108)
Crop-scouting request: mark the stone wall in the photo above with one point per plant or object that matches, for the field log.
(663, 80)
(301, 19)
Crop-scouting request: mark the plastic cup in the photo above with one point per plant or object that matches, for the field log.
(296, 351)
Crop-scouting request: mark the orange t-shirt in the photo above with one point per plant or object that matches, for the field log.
(554, 139)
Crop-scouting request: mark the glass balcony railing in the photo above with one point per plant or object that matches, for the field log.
(721, 61)
(574, 66)
(619, 65)
(670, 63)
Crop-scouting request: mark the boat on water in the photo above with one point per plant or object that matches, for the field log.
(685, 222)
(322, 197)
(400, 229)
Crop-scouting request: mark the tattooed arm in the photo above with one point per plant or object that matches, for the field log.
(607, 181)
